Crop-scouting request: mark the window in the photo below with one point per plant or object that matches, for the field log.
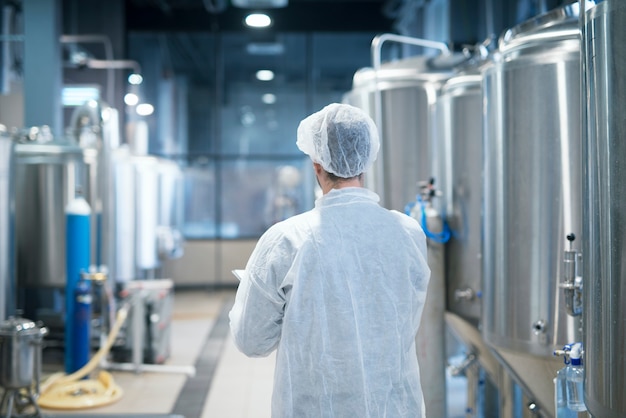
(234, 135)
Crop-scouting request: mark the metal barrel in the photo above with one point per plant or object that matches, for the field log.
(46, 177)
(459, 113)
(532, 194)
(604, 245)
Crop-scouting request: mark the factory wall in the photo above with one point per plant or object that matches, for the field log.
(209, 262)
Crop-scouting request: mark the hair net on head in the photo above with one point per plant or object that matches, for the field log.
(340, 137)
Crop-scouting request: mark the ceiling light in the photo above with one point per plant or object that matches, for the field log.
(258, 20)
(265, 75)
(268, 98)
(135, 79)
(144, 109)
(131, 99)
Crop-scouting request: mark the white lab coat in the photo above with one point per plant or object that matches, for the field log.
(339, 290)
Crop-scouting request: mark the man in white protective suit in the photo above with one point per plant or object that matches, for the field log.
(338, 290)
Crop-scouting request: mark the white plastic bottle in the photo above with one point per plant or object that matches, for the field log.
(560, 395)
(575, 375)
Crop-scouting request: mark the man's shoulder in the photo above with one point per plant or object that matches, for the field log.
(289, 225)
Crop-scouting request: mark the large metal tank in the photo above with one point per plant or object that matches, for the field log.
(459, 120)
(406, 91)
(604, 249)
(532, 194)
(147, 192)
(459, 115)
(7, 261)
(48, 173)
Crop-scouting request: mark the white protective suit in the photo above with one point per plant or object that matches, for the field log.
(339, 290)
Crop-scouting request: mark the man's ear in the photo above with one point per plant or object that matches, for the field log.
(318, 168)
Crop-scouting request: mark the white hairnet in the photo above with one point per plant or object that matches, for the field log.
(340, 137)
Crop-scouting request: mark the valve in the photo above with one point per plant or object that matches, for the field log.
(572, 283)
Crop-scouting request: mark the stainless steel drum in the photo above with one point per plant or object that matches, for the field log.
(604, 249)
(170, 220)
(7, 261)
(20, 364)
(532, 194)
(408, 92)
(459, 116)
(459, 121)
(47, 176)
(20, 353)
(147, 230)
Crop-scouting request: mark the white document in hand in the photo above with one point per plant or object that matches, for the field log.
(239, 274)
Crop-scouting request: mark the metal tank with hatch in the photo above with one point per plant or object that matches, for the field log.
(459, 116)
(459, 121)
(48, 174)
(147, 190)
(532, 195)
(7, 253)
(604, 249)
(20, 364)
(400, 97)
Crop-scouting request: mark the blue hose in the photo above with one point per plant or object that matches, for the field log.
(439, 237)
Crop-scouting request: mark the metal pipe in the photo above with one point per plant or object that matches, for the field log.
(108, 54)
(379, 40)
(113, 65)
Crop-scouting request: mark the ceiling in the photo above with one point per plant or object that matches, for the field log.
(298, 15)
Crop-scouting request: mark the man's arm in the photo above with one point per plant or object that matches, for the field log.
(255, 320)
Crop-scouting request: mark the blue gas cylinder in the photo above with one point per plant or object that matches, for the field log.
(77, 255)
(82, 324)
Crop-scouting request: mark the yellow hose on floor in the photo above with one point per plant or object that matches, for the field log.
(61, 391)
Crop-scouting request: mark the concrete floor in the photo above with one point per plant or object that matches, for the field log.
(225, 384)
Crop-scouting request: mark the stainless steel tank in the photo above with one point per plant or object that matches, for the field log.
(20, 352)
(7, 254)
(459, 116)
(459, 121)
(408, 91)
(604, 249)
(47, 176)
(532, 194)
(147, 194)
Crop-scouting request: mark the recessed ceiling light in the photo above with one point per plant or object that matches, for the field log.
(131, 99)
(144, 109)
(135, 79)
(265, 75)
(258, 20)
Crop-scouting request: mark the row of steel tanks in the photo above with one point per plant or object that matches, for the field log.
(135, 219)
(532, 199)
